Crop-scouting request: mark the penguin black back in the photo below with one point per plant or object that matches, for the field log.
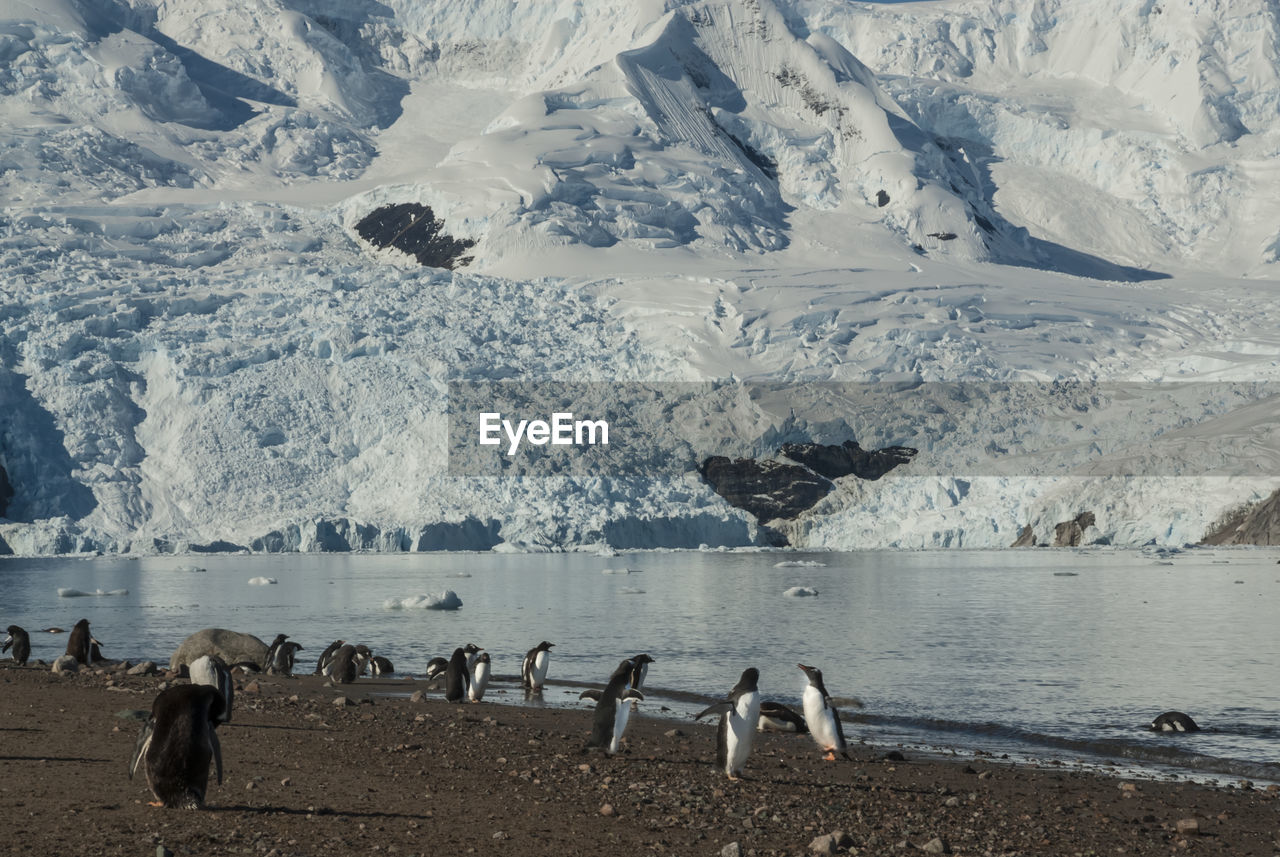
(457, 677)
(1174, 721)
(177, 744)
(602, 724)
(20, 641)
(270, 659)
(327, 655)
(80, 641)
(343, 668)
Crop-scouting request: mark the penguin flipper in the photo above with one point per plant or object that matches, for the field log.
(717, 709)
(140, 749)
(217, 753)
(593, 695)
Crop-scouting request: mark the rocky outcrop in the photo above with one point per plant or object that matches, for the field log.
(335, 535)
(1071, 534)
(414, 229)
(232, 646)
(6, 491)
(1255, 524)
(848, 459)
(1026, 538)
(766, 489)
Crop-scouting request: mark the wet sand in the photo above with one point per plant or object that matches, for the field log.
(382, 775)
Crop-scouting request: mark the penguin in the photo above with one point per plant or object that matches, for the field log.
(480, 678)
(457, 677)
(212, 671)
(436, 667)
(822, 717)
(739, 718)
(342, 667)
(326, 657)
(95, 653)
(280, 662)
(473, 654)
(78, 645)
(177, 743)
(20, 640)
(270, 659)
(776, 717)
(363, 657)
(640, 671)
(533, 674)
(612, 714)
(1173, 721)
(382, 666)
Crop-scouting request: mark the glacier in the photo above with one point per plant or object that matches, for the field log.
(199, 353)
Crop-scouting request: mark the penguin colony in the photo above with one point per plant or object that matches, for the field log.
(179, 742)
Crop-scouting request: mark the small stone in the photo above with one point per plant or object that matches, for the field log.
(585, 768)
(342, 702)
(500, 834)
(951, 801)
(144, 668)
(250, 786)
(252, 687)
(985, 775)
(676, 733)
(824, 844)
(161, 851)
(66, 664)
(417, 696)
(1128, 787)
(286, 781)
(1188, 827)
(608, 811)
(934, 846)
(733, 849)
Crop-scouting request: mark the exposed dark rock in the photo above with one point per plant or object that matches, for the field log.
(1026, 538)
(766, 489)
(6, 491)
(414, 229)
(882, 198)
(1256, 524)
(1070, 534)
(943, 236)
(217, 546)
(834, 462)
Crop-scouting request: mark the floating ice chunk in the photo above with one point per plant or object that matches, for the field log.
(447, 600)
(801, 592)
(620, 571)
(799, 563)
(631, 590)
(261, 581)
(67, 592)
(190, 569)
(461, 574)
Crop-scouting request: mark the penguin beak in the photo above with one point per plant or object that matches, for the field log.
(95, 640)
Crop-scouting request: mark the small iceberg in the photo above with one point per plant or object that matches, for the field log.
(447, 600)
(67, 592)
(190, 569)
(262, 581)
(631, 590)
(799, 563)
(801, 592)
(461, 574)
(620, 571)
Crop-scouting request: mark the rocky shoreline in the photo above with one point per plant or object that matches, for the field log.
(313, 769)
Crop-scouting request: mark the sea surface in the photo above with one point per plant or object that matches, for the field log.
(1052, 656)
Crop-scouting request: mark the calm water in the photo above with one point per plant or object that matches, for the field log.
(1054, 655)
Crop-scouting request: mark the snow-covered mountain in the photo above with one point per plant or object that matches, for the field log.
(197, 348)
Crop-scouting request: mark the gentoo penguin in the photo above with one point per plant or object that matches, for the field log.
(178, 742)
(343, 667)
(739, 716)
(479, 678)
(381, 666)
(270, 659)
(326, 657)
(822, 717)
(212, 671)
(473, 654)
(612, 712)
(640, 671)
(776, 717)
(1173, 721)
(533, 674)
(457, 677)
(363, 657)
(281, 660)
(437, 667)
(20, 640)
(78, 645)
(95, 653)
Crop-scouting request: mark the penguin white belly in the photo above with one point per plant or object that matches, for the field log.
(821, 720)
(202, 672)
(540, 663)
(619, 725)
(479, 681)
(742, 729)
